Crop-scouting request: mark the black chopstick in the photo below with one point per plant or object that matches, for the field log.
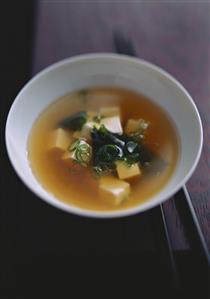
(192, 227)
(125, 46)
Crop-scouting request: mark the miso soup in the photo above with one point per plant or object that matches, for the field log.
(103, 148)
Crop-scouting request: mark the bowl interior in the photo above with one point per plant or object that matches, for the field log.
(104, 70)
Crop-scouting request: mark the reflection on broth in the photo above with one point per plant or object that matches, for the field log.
(103, 148)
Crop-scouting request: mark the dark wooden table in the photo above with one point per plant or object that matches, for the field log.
(47, 252)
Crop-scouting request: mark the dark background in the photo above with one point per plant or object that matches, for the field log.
(48, 253)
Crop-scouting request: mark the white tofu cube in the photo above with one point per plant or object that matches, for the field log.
(112, 124)
(134, 125)
(109, 111)
(59, 140)
(128, 172)
(113, 191)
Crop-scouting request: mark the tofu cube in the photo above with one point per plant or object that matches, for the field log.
(134, 125)
(128, 172)
(86, 131)
(109, 111)
(59, 140)
(113, 191)
(113, 124)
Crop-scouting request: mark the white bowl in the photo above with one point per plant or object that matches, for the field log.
(101, 70)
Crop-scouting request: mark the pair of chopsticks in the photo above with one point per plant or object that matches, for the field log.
(183, 201)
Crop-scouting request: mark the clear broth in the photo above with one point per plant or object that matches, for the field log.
(81, 189)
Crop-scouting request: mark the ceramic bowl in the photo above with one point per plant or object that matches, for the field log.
(104, 70)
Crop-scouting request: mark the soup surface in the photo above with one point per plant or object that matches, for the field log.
(84, 184)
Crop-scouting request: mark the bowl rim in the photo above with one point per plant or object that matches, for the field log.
(95, 213)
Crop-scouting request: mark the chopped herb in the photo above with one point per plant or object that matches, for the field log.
(139, 133)
(137, 136)
(75, 121)
(82, 151)
(104, 169)
(143, 125)
(97, 118)
(132, 159)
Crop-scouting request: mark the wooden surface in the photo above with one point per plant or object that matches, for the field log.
(175, 36)
(46, 251)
